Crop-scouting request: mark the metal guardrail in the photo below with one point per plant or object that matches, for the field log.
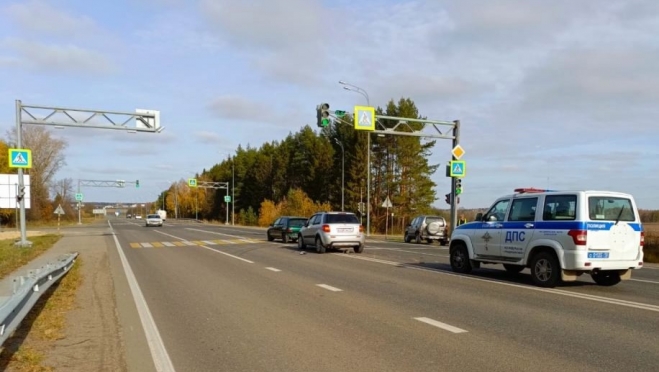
(27, 290)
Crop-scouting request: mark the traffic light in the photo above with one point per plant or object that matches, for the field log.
(448, 198)
(322, 115)
(137, 183)
(21, 194)
(458, 186)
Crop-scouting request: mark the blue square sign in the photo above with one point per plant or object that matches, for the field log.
(458, 168)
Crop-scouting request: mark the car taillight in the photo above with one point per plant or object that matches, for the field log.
(326, 228)
(642, 238)
(289, 230)
(361, 228)
(579, 237)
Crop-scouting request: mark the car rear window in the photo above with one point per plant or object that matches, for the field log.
(607, 208)
(342, 218)
(299, 222)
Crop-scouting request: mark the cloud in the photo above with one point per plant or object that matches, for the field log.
(207, 137)
(42, 18)
(48, 58)
(238, 108)
(281, 38)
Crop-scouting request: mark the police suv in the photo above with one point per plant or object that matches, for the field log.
(559, 235)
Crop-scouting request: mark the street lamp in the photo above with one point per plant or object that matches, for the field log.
(354, 88)
(233, 186)
(343, 172)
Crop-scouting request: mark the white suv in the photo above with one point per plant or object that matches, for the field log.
(332, 230)
(559, 235)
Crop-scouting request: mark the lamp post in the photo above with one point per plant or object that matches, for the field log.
(354, 88)
(343, 173)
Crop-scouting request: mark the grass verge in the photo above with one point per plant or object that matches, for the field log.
(53, 223)
(25, 350)
(13, 257)
(651, 248)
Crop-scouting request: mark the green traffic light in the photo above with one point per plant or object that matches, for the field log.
(325, 122)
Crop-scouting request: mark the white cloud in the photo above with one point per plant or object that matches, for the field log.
(71, 59)
(207, 137)
(42, 18)
(238, 108)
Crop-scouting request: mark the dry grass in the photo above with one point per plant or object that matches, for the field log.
(53, 223)
(44, 324)
(13, 257)
(651, 249)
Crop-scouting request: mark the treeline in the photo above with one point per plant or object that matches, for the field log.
(311, 163)
(649, 216)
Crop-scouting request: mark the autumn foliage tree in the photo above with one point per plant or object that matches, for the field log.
(297, 203)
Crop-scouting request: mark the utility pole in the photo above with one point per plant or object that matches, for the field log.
(343, 173)
(233, 189)
(454, 197)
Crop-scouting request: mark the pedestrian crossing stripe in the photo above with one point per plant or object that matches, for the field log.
(187, 243)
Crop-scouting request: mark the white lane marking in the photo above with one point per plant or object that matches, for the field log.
(158, 352)
(216, 233)
(209, 248)
(272, 269)
(187, 242)
(146, 245)
(644, 281)
(208, 242)
(583, 296)
(329, 287)
(438, 324)
(168, 244)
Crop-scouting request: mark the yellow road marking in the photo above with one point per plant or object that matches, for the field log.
(179, 244)
(135, 245)
(157, 244)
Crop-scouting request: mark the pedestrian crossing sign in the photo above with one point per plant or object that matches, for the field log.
(458, 168)
(20, 158)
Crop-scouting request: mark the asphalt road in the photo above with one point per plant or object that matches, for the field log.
(222, 298)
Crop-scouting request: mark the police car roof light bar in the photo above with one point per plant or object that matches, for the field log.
(524, 190)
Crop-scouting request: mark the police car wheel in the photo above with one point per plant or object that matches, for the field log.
(545, 270)
(606, 278)
(459, 257)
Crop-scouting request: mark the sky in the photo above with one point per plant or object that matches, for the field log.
(556, 94)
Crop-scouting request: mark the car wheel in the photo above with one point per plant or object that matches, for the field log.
(270, 238)
(459, 257)
(359, 248)
(545, 270)
(443, 242)
(606, 278)
(418, 238)
(284, 238)
(300, 243)
(320, 248)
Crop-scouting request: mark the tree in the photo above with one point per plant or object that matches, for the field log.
(47, 159)
(63, 194)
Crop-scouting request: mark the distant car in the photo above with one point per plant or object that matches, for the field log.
(285, 228)
(153, 220)
(128, 215)
(427, 228)
(138, 216)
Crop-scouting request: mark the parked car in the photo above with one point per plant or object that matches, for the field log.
(427, 228)
(332, 230)
(558, 235)
(285, 228)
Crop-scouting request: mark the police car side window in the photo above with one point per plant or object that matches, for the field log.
(523, 209)
(498, 211)
(560, 208)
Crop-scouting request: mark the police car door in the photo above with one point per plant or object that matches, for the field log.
(519, 227)
(487, 240)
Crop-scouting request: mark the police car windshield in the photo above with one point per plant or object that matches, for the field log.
(606, 208)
